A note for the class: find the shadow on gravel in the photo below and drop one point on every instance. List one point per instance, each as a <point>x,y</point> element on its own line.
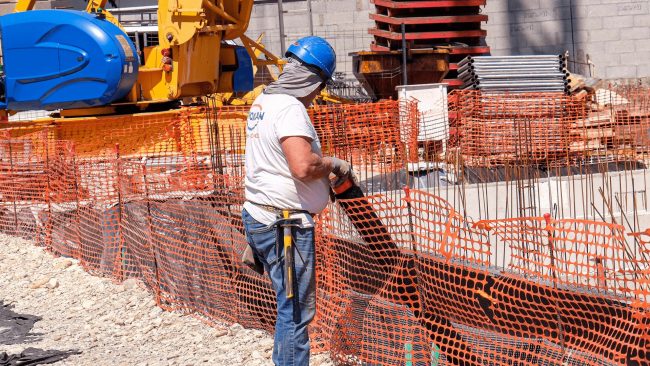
<point>34,356</point>
<point>17,329</point>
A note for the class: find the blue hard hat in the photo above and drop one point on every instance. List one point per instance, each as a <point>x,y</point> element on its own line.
<point>314,51</point>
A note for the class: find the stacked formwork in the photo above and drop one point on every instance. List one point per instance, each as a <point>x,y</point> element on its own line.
<point>452,24</point>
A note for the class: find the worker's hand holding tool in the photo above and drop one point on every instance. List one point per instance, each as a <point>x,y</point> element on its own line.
<point>342,172</point>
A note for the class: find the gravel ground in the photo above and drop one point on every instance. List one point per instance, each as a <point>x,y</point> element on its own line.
<point>114,324</point>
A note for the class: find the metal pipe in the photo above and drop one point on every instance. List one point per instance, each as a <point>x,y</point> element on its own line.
<point>519,86</point>
<point>509,83</point>
<point>311,20</point>
<point>506,63</point>
<point>138,48</point>
<point>524,81</point>
<point>517,72</point>
<point>511,67</point>
<point>283,49</point>
<point>404,76</point>
<point>465,74</point>
<point>516,57</point>
<point>520,76</point>
<point>554,67</point>
<point>523,90</point>
<point>531,88</point>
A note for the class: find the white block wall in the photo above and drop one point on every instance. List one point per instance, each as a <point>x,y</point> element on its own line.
<point>613,34</point>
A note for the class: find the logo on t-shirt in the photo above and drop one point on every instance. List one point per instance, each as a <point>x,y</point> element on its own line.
<point>254,116</point>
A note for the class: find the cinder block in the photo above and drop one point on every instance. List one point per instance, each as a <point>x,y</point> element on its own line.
<point>535,15</point>
<point>552,4</point>
<point>602,60</point>
<point>340,18</point>
<point>635,58</point>
<point>602,35</point>
<point>619,46</point>
<point>497,18</point>
<point>580,36</point>
<point>363,5</point>
<point>642,20</point>
<point>333,6</point>
<point>643,71</point>
<point>522,4</point>
<point>501,30</point>
<point>502,52</point>
<point>498,44</point>
<point>603,10</point>
<point>641,45</point>
<point>592,23</point>
<point>495,7</point>
<point>636,33</point>
<point>361,17</point>
<point>618,22</point>
<point>632,8</point>
<point>620,72</point>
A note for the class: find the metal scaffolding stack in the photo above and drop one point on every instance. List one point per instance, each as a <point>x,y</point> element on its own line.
<point>451,24</point>
<point>517,74</point>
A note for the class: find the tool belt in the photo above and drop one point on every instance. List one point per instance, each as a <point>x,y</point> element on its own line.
<point>284,246</point>
<point>278,211</point>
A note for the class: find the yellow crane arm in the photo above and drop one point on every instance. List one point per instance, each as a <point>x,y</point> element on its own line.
<point>24,5</point>
<point>95,4</point>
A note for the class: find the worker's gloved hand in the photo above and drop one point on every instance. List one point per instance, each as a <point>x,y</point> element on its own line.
<point>341,171</point>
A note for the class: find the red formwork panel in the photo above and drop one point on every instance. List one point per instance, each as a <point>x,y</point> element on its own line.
<point>445,19</point>
<point>426,4</point>
<point>427,35</point>
<point>453,82</point>
<point>452,24</point>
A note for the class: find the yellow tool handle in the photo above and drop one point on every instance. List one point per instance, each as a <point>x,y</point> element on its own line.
<point>288,257</point>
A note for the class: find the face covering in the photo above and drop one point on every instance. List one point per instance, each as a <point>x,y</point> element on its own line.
<point>296,80</point>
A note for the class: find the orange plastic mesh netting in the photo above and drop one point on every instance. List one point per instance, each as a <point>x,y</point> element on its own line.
<point>403,276</point>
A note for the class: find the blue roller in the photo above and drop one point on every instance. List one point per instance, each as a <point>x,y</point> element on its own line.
<point>64,59</point>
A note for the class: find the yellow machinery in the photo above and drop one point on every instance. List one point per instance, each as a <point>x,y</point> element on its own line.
<point>191,59</point>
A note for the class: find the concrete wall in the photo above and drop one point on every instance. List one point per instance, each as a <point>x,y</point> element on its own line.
<point>613,34</point>
<point>344,23</point>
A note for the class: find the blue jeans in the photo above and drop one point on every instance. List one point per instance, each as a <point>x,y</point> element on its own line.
<point>291,346</point>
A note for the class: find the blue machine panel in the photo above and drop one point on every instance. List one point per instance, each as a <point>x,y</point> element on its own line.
<point>64,59</point>
<point>243,77</point>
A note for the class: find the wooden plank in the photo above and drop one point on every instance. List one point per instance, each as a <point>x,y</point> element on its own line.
<point>597,120</point>
<point>577,146</point>
<point>593,133</point>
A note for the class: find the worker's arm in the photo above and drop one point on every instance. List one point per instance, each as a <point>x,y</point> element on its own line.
<point>304,164</point>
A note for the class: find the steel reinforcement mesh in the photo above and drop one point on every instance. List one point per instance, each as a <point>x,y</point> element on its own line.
<point>403,276</point>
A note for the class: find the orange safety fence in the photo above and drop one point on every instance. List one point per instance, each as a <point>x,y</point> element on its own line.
<point>550,129</point>
<point>403,275</point>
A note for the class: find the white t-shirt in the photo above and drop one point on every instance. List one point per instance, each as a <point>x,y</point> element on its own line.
<point>268,178</point>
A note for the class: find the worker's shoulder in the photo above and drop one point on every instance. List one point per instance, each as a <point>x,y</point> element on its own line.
<point>278,100</point>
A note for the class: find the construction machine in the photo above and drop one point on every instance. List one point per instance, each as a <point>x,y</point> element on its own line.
<point>84,62</point>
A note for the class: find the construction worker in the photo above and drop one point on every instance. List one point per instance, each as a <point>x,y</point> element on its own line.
<point>285,171</point>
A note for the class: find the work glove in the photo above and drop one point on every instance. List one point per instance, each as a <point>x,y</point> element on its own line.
<point>341,171</point>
